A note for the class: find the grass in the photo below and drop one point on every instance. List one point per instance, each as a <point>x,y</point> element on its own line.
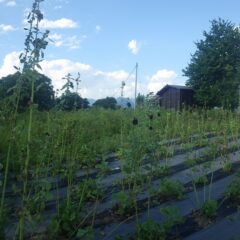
<point>63,142</point>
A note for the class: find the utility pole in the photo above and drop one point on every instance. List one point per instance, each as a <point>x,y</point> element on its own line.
<point>136,78</point>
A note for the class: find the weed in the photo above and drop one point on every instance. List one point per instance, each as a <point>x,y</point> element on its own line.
<point>124,203</point>
<point>200,180</point>
<point>171,189</point>
<point>151,230</point>
<point>209,209</point>
<point>233,191</point>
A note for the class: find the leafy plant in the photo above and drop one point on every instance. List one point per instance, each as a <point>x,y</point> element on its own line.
<point>66,221</point>
<point>124,203</point>
<point>171,189</point>
<point>233,190</point>
<point>209,209</point>
<point>172,217</point>
<point>150,230</point>
<point>91,189</point>
<point>200,180</point>
<point>227,166</point>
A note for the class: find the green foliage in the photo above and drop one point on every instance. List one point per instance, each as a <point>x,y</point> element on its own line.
<point>66,222</point>
<point>108,102</point>
<point>71,101</point>
<point>227,166</point>
<point>69,83</point>
<point>233,190</point>
<point>44,94</point>
<point>209,209</point>
<point>64,142</point>
<point>124,203</point>
<point>89,189</point>
<point>171,189</point>
<point>172,217</point>
<point>151,230</point>
<point>200,180</point>
<point>85,234</point>
<point>214,68</point>
<point>140,99</point>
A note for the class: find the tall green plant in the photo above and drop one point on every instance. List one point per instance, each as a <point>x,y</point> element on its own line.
<point>35,43</point>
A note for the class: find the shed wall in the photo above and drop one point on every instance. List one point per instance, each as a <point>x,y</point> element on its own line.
<point>186,97</point>
<point>170,98</point>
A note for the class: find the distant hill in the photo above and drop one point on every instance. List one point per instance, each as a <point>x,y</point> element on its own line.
<point>123,102</point>
<point>91,101</point>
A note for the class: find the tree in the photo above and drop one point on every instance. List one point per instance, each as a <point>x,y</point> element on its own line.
<point>71,101</point>
<point>213,72</point>
<point>140,100</point>
<point>44,94</point>
<point>108,102</point>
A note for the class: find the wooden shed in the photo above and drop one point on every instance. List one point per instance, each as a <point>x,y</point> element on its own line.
<point>176,97</point>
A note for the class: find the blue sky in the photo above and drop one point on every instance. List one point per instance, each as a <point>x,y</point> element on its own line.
<point>103,39</point>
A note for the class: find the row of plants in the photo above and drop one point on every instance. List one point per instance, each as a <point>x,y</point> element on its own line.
<point>127,199</point>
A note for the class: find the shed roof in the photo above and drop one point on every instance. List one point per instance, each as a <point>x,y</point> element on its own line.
<point>173,86</point>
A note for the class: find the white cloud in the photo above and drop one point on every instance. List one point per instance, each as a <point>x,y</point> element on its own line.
<point>98,28</point>
<point>58,7</point>
<point>55,37</point>
<point>60,23</point>
<point>9,3</point>
<point>95,83</point>
<point>117,75</point>
<point>6,28</point>
<point>72,42</point>
<point>109,83</point>
<point>57,69</point>
<point>10,60</point>
<point>134,47</point>
<point>160,79</point>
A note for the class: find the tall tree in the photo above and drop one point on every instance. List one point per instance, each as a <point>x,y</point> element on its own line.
<point>214,68</point>
<point>108,102</point>
<point>43,90</point>
<point>71,100</point>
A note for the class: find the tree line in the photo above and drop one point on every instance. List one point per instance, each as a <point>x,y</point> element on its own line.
<point>45,97</point>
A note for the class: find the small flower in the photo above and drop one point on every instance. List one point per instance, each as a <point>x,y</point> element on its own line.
<point>135,121</point>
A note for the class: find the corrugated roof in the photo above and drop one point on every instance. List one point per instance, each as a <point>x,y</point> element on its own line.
<point>173,86</point>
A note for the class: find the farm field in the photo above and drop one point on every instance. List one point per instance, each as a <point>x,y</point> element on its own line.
<point>92,151</point>
<point>121,174</point>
